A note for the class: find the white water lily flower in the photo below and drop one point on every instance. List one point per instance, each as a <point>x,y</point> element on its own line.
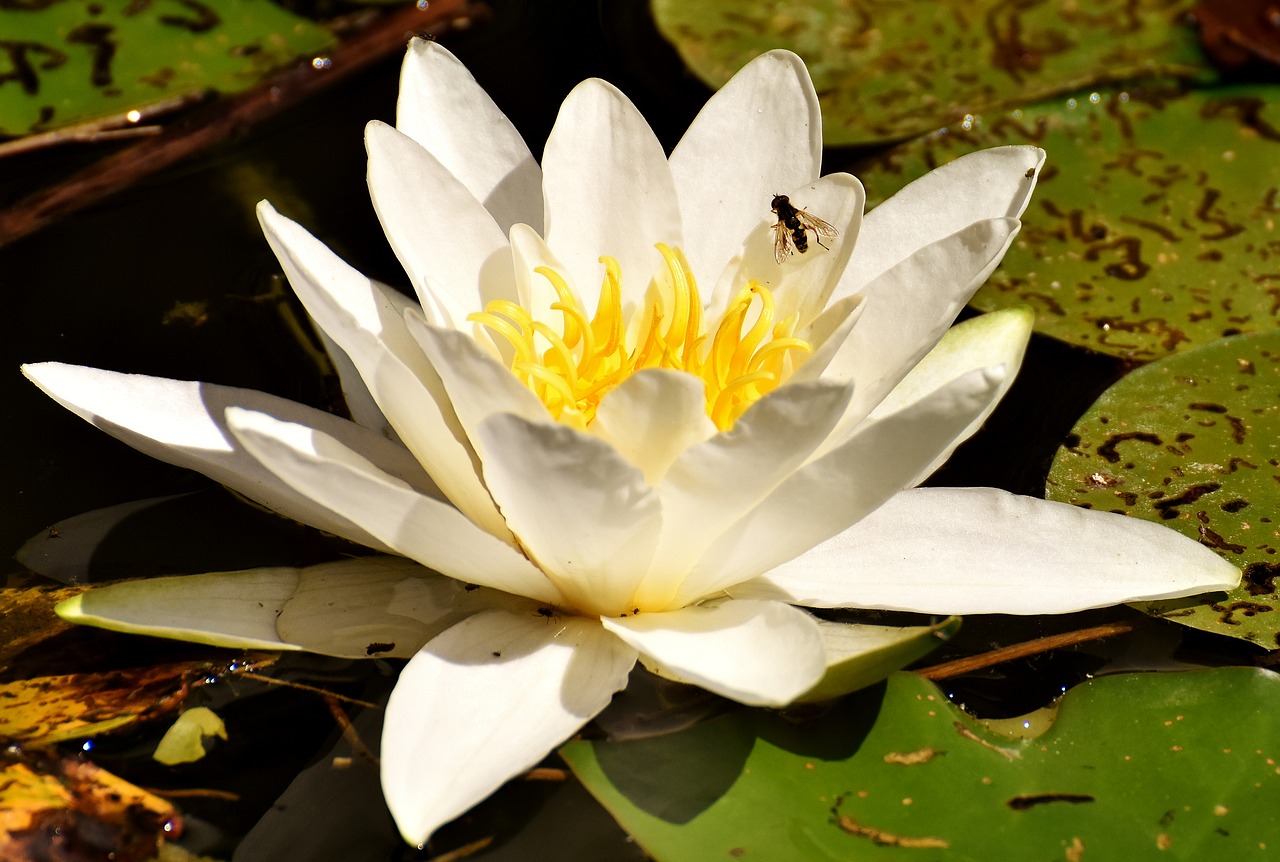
<point>614,406</point>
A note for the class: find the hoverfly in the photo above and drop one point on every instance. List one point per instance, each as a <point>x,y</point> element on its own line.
<point>791,230</point>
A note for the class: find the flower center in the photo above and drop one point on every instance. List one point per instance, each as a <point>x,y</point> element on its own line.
<point>588,357</point>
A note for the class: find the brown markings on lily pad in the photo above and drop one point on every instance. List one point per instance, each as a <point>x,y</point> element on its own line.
<point>1260,578</point>
<point>1214,540</point>
<point>1108,450</point>
<point>1030,800</point>
<point>1228,611</point>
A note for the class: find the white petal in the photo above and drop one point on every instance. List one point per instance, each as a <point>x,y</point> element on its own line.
<point>230,609</point>
<point>580,510</point>
<point>652,417</point>
<point>476,384</point>
<point>456,255</point>
<point>529,252</point>
<point>984,185</point>
<point>370,606</point>
<point>758,135</point>
<point>802,283</point>
<point>485,701</point>
<point>837,489</point>
<point>608,191</point>
<point>860,655</point>
<point>758,653</point>
<point>443,108</point>
<point>715,483</point>
<point>908,309</point>
<point>998,338</point>
<point>368,324</point>
<point>182,422</point>
<point>986,551</point>
<point>433,533</point>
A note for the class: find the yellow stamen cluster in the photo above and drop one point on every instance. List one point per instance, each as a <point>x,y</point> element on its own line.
<point>589,357</point>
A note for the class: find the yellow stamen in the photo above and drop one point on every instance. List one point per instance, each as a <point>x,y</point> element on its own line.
<point>590,356</point>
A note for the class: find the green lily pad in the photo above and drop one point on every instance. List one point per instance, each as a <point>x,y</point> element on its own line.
<point>1183,763</point>
<point>1153,227</point>
<point>69,62</point>
<point>1192,441</point>
<point>886,71</point>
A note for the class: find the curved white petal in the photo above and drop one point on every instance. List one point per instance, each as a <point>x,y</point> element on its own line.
<point>366,607</point>
<point>228,609</point>
<point>580,510</point>
<point>433,533</point>
<point>909,307</point>
<point>716,482</point>
<point>998,338</point>
<point>758,653</point>
<point>802,283</point>
<point>485,701</point>
<point>529,252</point>
<point>652,417</point>
<point>182,422</point>
<point>986,551</point>
<point>608,191</point>
<point>987,184</point>
<point>477,385</point>
<point>443,108</point>
<point>368,324</point>
<point>456,255</point>
<point>757,136</point>
<point>838,489</point>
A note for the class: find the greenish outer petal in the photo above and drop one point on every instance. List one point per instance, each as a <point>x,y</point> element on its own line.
<point>1191,441</point>
<point>1153,228</point>
<point>229,609</point>
<point>861,655</point>
<point>888,70</point>
<point>1132,764</point>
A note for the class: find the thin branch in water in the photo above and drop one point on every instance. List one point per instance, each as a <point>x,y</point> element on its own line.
<point>961,666</point>
<point>384,38</point>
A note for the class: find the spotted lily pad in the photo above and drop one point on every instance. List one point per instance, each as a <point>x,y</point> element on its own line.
<point>888,70</point>
<point>71,61</point>
<point>1139,766</point>
<point>1193,441</point>
<point>1154,224</point>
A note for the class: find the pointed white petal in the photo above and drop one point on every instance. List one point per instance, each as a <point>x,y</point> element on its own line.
<point>758,653</point>
<point>998,338</point>
<point>485,701</point>
<point>986,551</point>
<point>833,491</point>
<point>715,483</point>
<point>367,322</point>
<point>652,417</point>
<point>230,609</point>
<point>759,135</point>
<point>529,252</point>
<point>454,252</point>
<point>580,510</point>
<point>861,655</point>
<point>366,607</point>
<point>908,309</point>
<point>477,385</point>
<point>802,283</point>
<point>433,533</point>
<point>182,422</point>
<point>608,191</point>
<point>984,185</point>
<point>443,108</point>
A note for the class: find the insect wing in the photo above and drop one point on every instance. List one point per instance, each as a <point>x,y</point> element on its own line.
<point>782,242</point>
<point>815,224</point>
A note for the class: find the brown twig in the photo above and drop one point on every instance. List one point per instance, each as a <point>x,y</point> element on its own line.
<point>949,669</point>
<point>349,732</point>
<point>384,38</point>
